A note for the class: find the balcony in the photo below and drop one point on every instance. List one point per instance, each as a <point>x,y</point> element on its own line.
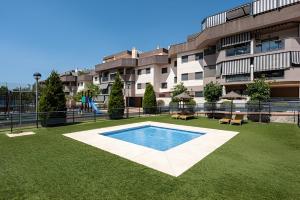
<point>85,78</point>
<point>68,78</point>
<point>123,62</point>
<point>156,59</point>
<point>244,24</point>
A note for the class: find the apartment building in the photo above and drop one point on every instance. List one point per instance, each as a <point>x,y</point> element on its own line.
<point>69,81</point>
<point>124,63</point>
<point>234,47</point>
<point>258,39</point>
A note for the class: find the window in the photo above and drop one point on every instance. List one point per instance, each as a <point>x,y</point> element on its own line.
<point>96,78</point>
<point>81,83</point>
<point>139,86</point>
<point>239,49</point>
<point>147,84</point>
<point>199,94</point>
<point>184,59</point>
<point>129,71</point>
<point>112,76</point>
<point>210,51</point>
<point>269,75</point>
<point>139,71</point>
<point>269,45</point>
<point>164,85</point>
<point>184,77</point>
<point>169,60</point>
<point>175,63</point>
<point>147,70</point>
<point>199,75</point>
<point>199,56</point>
<point>175,79</point>
<point>164,70</point>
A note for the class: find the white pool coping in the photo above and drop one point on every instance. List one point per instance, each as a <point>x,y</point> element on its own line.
<point>174,161</point>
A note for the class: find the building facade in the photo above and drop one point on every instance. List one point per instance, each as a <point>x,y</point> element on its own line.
<point>258,39</point>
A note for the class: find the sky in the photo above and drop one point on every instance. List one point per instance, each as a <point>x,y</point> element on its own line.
<point>41,36</point>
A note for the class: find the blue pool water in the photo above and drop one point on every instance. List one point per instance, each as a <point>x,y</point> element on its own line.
<point>154,137</point>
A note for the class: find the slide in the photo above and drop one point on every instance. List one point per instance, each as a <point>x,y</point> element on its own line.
<point>94,107</point>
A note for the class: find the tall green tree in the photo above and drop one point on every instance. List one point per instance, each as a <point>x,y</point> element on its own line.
<point>116,102</point>
<point>212,92</point>
<point>149,100</point>
<point>53,100</point>
<point>259,90</point>
<point>178,89</point>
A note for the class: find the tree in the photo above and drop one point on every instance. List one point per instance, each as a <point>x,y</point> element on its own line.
<point>178,89</point>
<point>212,92</point>
<point>53,101</point>
<point>116,103</point>
<point>149,100</point>
<point>3,90</point>
<point>94,89</point>
<point>259,90</point>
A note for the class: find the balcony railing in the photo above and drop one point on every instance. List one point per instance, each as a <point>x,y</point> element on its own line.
<point>255,8</point>
<point>237,78</point>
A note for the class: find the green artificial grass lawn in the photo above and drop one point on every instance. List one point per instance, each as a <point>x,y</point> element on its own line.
<point>262,162</point>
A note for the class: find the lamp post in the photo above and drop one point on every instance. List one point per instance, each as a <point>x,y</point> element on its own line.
<point>36,76</point>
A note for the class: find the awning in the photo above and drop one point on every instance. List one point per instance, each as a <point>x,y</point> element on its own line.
<point>241,66</point>
<point>235,39</point>
<point>272,62</point>
<point>104,86</point>
<point>296,57</point>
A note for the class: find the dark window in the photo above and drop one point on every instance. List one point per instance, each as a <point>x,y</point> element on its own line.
<point>184,77</point>
<point>169,60</point>
<point>164,70</point>
<point>175,63</point>
<point>129,71</point>
<point>269,75</point>
<point>269,45</point>
<point>164,85</point>
<point>96,78</point>
<point>199,75</point>
<point>139,71</point>
<point>175,79</point>
<point>112,77</point>
<point>147,70</point>
<point>199,94</point>
<point>139,86</point>
<point>199,56</point>
<point>239,49</point>
<point>184,59</point>
<point>210,51</point>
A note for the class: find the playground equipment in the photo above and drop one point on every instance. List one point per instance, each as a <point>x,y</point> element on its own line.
<point>87,103</point>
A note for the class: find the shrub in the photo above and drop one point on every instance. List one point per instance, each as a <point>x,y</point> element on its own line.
<point>149,100</point>
<point>53,101</point>
<point>160,103</point>
<point>116,103</point>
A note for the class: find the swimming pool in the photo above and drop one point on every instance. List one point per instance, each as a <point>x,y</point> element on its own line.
<point>158,138</point>
<point>168,148</point>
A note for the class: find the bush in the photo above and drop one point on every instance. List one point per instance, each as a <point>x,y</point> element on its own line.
<point>116,104</point>
<point>149,100</point>
<point>53,102</point>
<point>160,103</point>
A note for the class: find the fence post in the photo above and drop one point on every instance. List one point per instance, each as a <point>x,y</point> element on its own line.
<point>259,108</point>
<point>37,120</point>
<point>73,116</point>
<point>231,109</point>
<point>11,123</point>
<point>127,112</point>
<point>94,116</point>
<point>139,111</point>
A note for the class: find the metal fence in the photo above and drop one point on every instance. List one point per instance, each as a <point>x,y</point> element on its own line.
<point>258,112</point>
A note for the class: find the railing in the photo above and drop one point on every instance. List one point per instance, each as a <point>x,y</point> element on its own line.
<point>255,8</point>
<point>263,112</point>
<point>237,78</point>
